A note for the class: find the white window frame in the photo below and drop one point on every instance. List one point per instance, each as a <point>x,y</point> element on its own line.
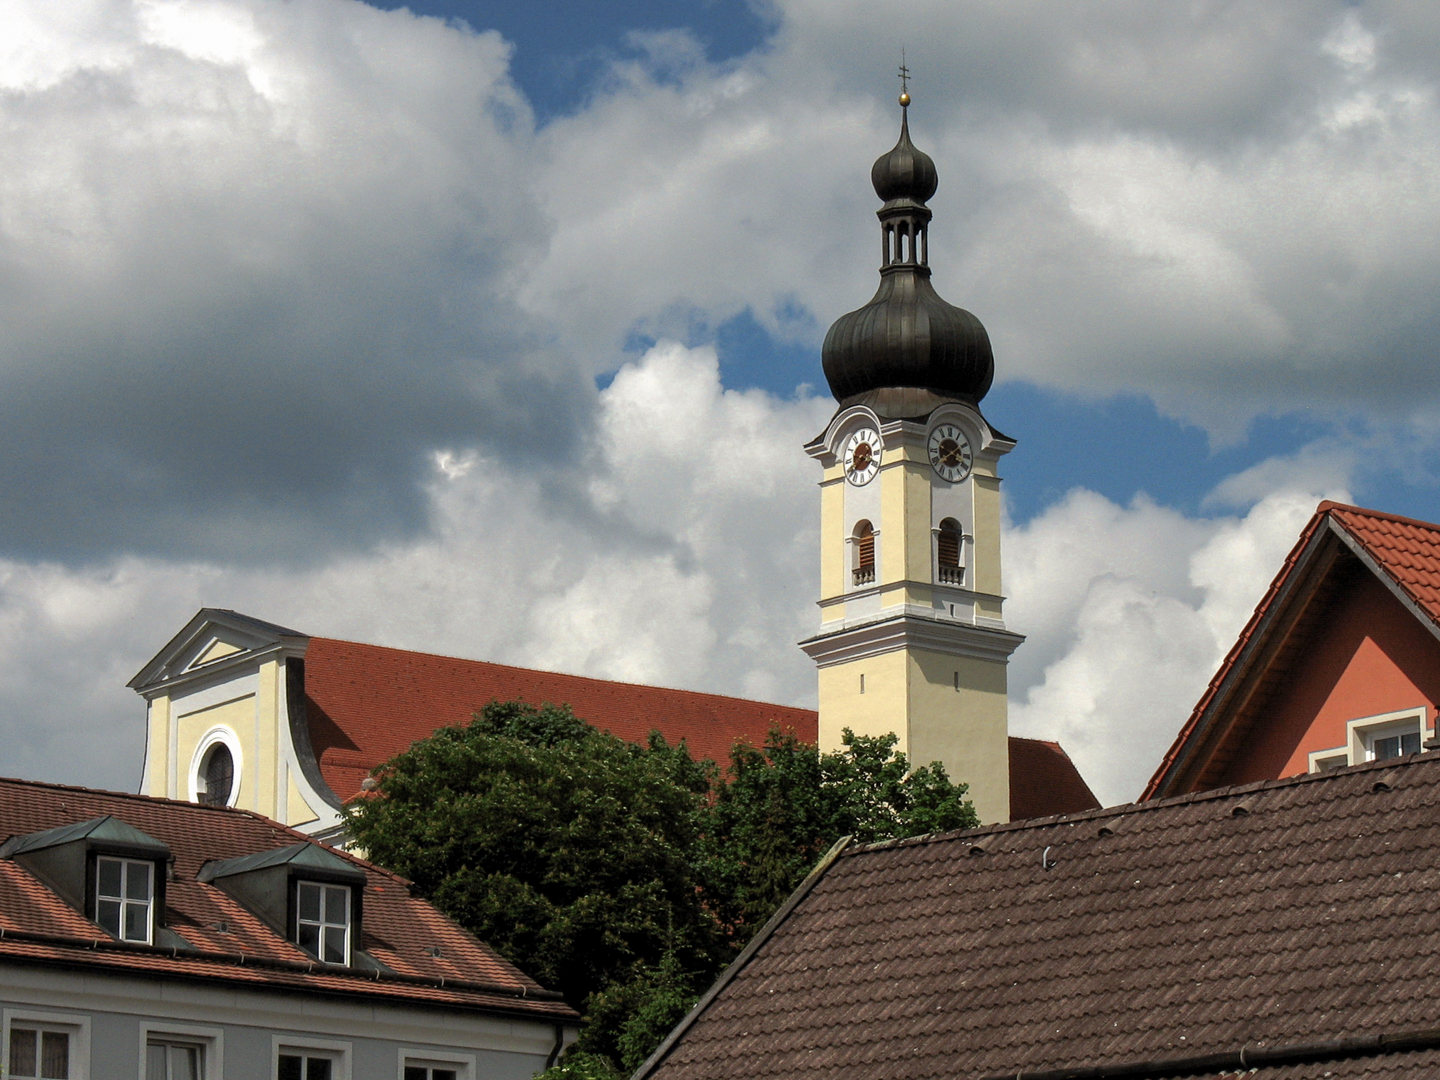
<point>1360,733</point>
<point>211,1040</point>
<point>301,883</point>
<point>338,1052</point>
<point>223,735</point>
<point>150,904</point>
<point>463,1064</point>
<point>77,1025</point>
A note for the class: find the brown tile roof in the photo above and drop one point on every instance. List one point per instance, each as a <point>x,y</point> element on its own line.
<point>1044,781</point>
<point>368,703</point>
<point>1405,551</point>
<point>399,930</point>
<point>1285,912</point>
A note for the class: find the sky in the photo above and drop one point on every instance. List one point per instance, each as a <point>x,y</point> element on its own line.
<point>494,330</point>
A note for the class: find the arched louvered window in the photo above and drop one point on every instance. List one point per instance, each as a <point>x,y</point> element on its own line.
<point>219,775</point>
<point>864,553</point>
<point>948,542</point>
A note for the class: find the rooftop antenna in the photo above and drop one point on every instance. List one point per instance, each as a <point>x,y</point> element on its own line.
<point>904,81</point>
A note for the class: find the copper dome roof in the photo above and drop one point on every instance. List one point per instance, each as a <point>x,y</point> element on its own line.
<point>907,350</point>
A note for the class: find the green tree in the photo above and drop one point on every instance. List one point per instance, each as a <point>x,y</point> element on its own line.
<point>626,876</point>
<point>785,804</point>
<point>566,849</point>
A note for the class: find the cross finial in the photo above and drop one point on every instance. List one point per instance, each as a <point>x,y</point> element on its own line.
<point>904,82</point>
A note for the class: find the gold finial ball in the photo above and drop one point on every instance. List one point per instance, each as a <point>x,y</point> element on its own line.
<point>904,100</point>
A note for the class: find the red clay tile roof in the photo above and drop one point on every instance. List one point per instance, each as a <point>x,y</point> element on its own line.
<point>399,930</point>
<point>1405,550</point>
<point>368,703</point>
<point>1279,913</point>
<point>1044,781</point>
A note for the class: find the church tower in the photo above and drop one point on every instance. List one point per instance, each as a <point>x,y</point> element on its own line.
<point>912,638</point>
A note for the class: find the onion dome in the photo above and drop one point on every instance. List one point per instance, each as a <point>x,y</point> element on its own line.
<point>907,350</point>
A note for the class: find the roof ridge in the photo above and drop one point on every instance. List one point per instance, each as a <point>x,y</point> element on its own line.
<point>1124,809</point>
<point>561,674</point>
<point>1328,505</point>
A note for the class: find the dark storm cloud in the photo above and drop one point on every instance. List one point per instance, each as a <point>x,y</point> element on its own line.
<point>252,275</point>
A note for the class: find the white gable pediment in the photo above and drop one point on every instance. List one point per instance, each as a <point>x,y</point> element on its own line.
<point>215,638</point>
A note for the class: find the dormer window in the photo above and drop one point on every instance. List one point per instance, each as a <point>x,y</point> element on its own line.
<point>322,921</point>
<point>124,891</point>
<point>305,892</point>
<point>110,871</point>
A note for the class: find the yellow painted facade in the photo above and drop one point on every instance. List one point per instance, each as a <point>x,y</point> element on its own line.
<point>932,653</point>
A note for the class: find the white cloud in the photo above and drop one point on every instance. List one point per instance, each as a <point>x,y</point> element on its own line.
<point>1131,611</point>
<point>685,556</point>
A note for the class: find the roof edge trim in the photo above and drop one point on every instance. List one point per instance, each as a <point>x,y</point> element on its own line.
<point>1246,1057</point>
<point>727,976</point>
<point>1236,663</point>
<point>1361,552</point>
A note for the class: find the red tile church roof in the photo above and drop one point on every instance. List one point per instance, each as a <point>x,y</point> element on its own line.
<point>368,703</point>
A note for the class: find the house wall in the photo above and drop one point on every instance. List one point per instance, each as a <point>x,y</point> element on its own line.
<point>247,1028</point>
<point>1372,657</point>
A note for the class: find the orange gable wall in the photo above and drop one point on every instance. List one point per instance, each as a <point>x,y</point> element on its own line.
<point>1373,657</point>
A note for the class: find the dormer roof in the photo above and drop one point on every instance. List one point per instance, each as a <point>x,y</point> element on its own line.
<point>420,957</point>
<point>1401,554</point>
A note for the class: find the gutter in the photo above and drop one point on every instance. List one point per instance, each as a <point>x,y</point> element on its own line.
<point>1241,1060</point>
<point>299,967</point>
<point>728,975</point>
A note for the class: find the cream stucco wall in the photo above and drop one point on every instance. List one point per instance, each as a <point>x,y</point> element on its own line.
<point>157,748</point>
<point>237,714</point>
<point>966,730</point>
<point>879,709</point>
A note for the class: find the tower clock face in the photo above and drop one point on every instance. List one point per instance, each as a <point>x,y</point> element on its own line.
<point>950,455</point>
<point>862,456</point>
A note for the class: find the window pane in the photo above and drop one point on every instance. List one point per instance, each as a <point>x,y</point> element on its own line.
<point>334,945</point>
<point>309,939</point>
<point>1410,744</point>
<point>184,1063</point>
<point>137,922</point>
<point>109,875</point>
<point>337,905</point>
<point>291,1067</point>
<point>137,881</point>
<point>1387,748</point>
<point>22,1052</point>
<point>415,1072</point>
<point>442,1074</point>
<point>309,901</point>
<point>155,1062</point>
<point>107,914</point>
<point>54,1055</point>
<point>318,1069</point>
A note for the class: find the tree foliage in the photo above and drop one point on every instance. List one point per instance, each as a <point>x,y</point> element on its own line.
<point>627,876</point>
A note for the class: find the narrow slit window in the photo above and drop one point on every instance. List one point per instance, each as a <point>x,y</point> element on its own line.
<point>124,889</point>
